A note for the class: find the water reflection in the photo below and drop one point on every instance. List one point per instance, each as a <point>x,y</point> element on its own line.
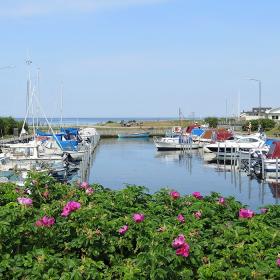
<point>275,189</point>
<point>136,161</point>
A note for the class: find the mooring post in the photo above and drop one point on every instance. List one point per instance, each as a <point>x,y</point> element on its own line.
<point>263,169</point>
<point>249,162</point>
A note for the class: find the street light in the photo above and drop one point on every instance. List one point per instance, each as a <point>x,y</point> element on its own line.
<point>260,93</point>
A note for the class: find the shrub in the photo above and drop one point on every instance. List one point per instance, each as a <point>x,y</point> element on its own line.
<point>212,121</point>
<point>266,124</point>
<point>175,237</point>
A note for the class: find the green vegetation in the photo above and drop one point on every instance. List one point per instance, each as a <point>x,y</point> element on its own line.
<point>266,124</point>
<point>90,232</point>
<point>212,121</point>
<point>7,125</point>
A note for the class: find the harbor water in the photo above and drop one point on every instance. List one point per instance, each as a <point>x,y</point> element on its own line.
<point>118,162</point>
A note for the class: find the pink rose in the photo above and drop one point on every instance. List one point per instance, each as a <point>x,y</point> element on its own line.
<point>123,230</point>
<point>138,218</point>
<point>246,213</point>
<point>221,201</point>
<point>45,222</point>
<point>24,201</point>
<point>179,241</point>
<point>197,195</point>
<point>181,218</point>
<point>70,207</point>
<point>197,215</point>
<point>184,250</point>
<point>84,185</point>
<point>278,262</point>
<point>175,195</point>
<point>39,223</point>
<point>89,191</point>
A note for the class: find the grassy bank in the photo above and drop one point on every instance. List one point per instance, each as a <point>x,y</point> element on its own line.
<point>148,124</point>
<point>90,232</point>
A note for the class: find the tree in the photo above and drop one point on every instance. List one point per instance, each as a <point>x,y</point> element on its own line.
<point>266,124</point>
<point>212,121</point>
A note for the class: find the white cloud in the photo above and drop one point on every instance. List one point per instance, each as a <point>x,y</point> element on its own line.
<point>30,8</point>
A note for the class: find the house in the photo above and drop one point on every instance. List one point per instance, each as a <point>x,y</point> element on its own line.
<point>273,114</point>
<point>254,114</point>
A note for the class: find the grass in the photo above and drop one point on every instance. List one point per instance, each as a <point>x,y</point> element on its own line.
<point>148,124</point>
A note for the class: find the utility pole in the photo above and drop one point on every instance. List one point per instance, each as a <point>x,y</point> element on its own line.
<point>260,94</point>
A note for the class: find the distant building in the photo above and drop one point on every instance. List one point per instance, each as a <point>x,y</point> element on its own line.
<point>266,113</point>
<point>254,114</point>
<point>273,114</point>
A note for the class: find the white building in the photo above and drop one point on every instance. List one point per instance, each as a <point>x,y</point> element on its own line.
<point>255,113</point>
<point>265,113</point>
<point>273,114</point>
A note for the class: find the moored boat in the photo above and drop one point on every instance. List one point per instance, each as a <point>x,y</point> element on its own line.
<point>230,148</point>
<point>175,143</point>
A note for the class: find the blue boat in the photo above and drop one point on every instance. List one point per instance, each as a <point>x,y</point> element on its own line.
<point>134,135</point>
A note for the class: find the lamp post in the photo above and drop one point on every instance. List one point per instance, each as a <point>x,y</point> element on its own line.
<point>260,93</point>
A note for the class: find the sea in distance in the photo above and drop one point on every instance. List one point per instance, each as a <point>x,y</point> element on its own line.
<point>91,121</point>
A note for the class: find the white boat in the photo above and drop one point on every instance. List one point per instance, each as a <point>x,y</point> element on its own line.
<point>26,156</point>
<point>50,147</point>
<point>175,143</point>
<point>230,148</point>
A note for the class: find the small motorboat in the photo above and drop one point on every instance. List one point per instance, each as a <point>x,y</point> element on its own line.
<point>134,135</point>
<point>175,143</point>
<point>230,148</point>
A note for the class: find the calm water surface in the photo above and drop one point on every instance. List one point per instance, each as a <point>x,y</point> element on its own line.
<point>118,162</point>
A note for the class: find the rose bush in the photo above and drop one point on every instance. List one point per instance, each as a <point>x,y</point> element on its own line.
<point>99,237</point>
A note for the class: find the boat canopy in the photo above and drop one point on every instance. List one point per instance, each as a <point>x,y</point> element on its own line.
<point>269,142</point>
<point>274,151</point>
<point>190,128</point>
<point>197,131</point>
<point>42,133</point>
<point>70,130</point>
<point>223,135</point>
<point>207,134</point>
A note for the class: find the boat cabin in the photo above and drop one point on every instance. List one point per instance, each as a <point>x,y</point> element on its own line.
<point>28,150</point>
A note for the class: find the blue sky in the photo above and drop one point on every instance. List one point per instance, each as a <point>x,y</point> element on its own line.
<point>120,58</point>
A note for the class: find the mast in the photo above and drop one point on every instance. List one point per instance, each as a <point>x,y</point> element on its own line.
<point>180,116</point>
<point>238,105</point>
<point>61,104</point>
<point>38,94</point>
<point>28,92</point>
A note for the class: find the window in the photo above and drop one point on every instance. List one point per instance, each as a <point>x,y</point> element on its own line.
<point>275,117</point>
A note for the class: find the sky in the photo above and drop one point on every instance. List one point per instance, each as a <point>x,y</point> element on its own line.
<point>140,58</point>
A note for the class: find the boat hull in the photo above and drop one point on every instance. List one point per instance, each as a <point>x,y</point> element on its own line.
<point>163,146</point>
